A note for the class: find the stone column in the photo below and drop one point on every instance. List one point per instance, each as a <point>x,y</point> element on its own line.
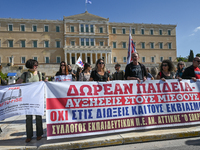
<point>75,57</point>
<point>110,58</point>
<point>70,58</point>
<point>96,57</point>
<point>65,57</point>
<point>101,55</point>
<point>91,60</point>
<point>106,57</point>
<point>85,57</point>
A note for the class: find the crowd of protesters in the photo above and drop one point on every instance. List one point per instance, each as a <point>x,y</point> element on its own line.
<point>133,71</point>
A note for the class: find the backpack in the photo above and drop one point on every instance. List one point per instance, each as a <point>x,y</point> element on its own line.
<point>26,74</point>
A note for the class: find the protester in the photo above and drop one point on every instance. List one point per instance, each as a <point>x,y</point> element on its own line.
<point>110,77</point>
<point>192,72</point>
<point>78,72</point>
<point>135,70</point>
<point>32,76</point>
<point>63,69</point>
<point>85,75</point>
<point>180,69</point>
<point>154,72</point>
<point>166,70</point>
<point>99,73</point>
<point>149,76</point>
<point>72,72</point>
<point>119,74</point>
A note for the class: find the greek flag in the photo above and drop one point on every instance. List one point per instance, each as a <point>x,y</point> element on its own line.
<point>79,62</point>
<point>88,2</point>
<point>131,48</point>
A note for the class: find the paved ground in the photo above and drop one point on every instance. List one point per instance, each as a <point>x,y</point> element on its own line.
<point>14,135</point>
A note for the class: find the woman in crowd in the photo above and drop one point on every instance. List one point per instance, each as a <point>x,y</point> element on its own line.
<point>180,69</point>
<point>85,75</point>
<point>99,73</point>
<point>78,72</point>
<point>166,70</point>
<point>149,76</point>
<point>32,76</point>
<point>63,69</point>
<point>154,72</point>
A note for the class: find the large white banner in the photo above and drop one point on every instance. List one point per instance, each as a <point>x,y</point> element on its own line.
<point>62,78</point>
<point>77,109</point>
<point>22,99</point>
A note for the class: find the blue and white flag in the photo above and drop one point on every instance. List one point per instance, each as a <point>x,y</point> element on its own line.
<point>131,48</point>
<point>88,2</point>
<point>79,62</point>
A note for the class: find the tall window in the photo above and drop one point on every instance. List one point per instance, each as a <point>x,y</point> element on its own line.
<point>34,43</point>
<point>123,31</point>
<point>46,59</point>
<point>22,27</point>
<point>10,43</point>
<point>86,28</point>
<point>115,59</point>
<point>101,43</point>
<point>58,59</point>
<point>170,58</point>
<point>123,44</point>
<point>169,45</point>
<point>114,30</point>
<point>101,30</point>
<point>143,59</point>
<point>152,59</point>
<point>143,45</point>
<point>151,31</point>
<point>161,45</point>
<point>169,32</point>
<point>46,43</point>
<point>114,45</point>
<point>161,59</point>
<point>92,42</point>
<point>142,31</point>
<point>10,59</point>
<point>23,43</point>
<point>82,41</point>
<point>72,43</point>
<point>133,31</point>
<point>82,28</point>
<point>10,27</point>
<point>35,58</point>
<point>160,32</point>
<point>72,28</point>
<point>124,59</point>
<point>91,28</point>
<point>58,44</point>
<point>87,41</point>
<point>57,28</point>
<point>34,28</point>
<point>46,28</point>
<point>151,45</point>
<point>23,60</point>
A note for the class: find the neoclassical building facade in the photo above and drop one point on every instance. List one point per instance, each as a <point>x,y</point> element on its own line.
<point>84,35</point>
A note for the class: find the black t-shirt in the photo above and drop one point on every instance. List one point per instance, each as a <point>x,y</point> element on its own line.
<point>98,77</point>
<point>161,74</point>
<point>136,71</point>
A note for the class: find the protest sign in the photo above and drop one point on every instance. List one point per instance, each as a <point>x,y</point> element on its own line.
<point>63,78</point>
<point>88,108</point>
<point>22,99</point>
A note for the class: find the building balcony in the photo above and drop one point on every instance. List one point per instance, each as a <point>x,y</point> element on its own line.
<point>88,47</point>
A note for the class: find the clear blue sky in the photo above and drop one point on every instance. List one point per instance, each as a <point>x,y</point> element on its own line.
<point>183,13</point>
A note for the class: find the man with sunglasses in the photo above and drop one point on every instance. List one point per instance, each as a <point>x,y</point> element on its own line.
<point>135,70</point>
<point>193,71</point>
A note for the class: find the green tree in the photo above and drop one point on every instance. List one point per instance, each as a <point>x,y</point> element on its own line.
<point>191,56</point>
<point>198,55</point>
<point>184,59</point>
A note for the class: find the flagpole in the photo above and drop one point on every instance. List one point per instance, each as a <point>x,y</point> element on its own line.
<point>85,6</point>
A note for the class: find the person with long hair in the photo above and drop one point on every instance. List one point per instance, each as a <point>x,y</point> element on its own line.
<point>99,73</point>
<point>85,75</point>
<point>63,70</point>
<point>166,70</point>
<point>180,69</point>
<point>78,72</point>
<point>32,76</point>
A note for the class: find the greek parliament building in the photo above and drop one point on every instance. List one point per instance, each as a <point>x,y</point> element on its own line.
<point>85,35</point>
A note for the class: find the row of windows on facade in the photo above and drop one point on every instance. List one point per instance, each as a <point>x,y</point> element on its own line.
<point>87,28</point>
<point>34,28</point>
<point>34,43</point>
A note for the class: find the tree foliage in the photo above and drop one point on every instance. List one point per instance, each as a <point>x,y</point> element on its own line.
<point>191,56</point>
<point>198,55</point>
<point>184,59</point>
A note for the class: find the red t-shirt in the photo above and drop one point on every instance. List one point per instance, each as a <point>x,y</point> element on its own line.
<point>197,72</point>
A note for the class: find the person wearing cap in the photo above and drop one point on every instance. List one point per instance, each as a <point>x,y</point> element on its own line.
<point>119,74</point>
<point>192,72</point>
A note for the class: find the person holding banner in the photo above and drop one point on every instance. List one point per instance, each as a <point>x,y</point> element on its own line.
<point>166,70</point>
<point>99,73</point>
<point>135,70</point>
<point>63,69</point>
<point>85,75</point>
<point>32,76</point>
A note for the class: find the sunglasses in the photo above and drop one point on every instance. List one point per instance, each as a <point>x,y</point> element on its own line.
<point>62,65</point>
<point>181,64</point>
<point>165,65</point>
<point>101,63</point>
<point>198,61</point>
<point>35,65</point>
